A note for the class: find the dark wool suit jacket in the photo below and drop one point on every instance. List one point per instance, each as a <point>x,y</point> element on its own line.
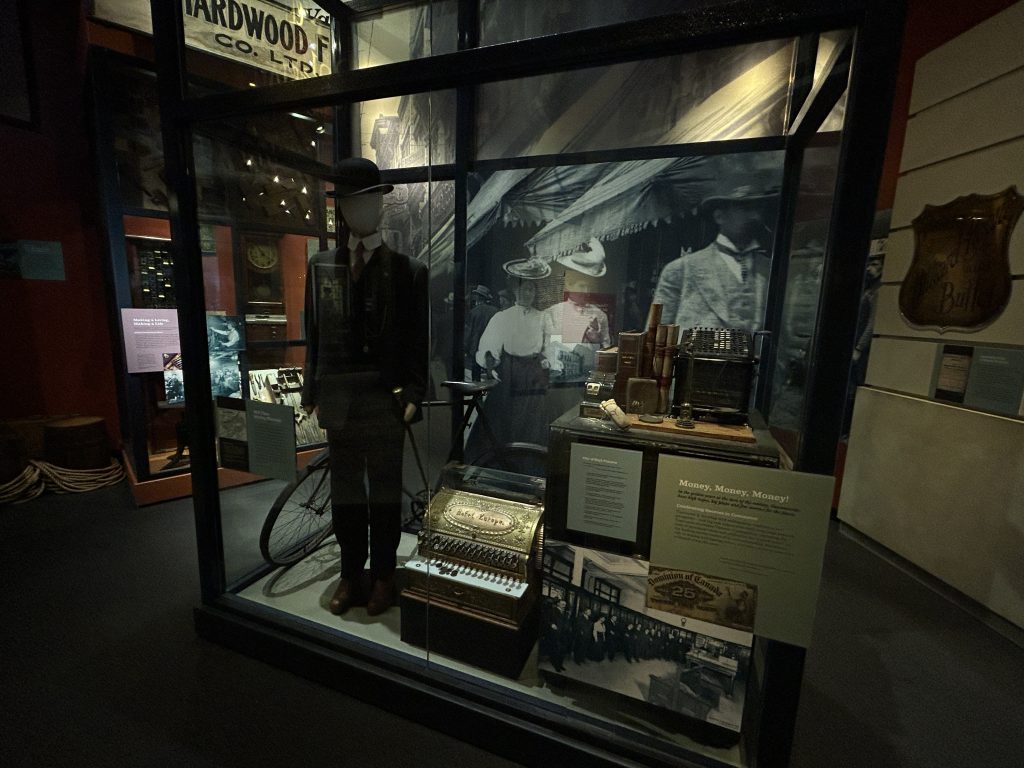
<point>383,330</point>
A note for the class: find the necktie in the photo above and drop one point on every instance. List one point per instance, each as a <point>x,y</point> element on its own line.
<point>357,262</point>
<point>743,258</point>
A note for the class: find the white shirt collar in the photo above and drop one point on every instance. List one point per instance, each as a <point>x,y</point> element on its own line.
<point>729,260</point>
<point>371,243</point>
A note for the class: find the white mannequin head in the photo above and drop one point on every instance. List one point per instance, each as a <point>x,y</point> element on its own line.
<point>362,212</point>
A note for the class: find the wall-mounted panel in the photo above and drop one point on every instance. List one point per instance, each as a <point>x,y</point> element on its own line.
<point>988,50</point>
<point>952,127</point>
<point>945,490</point>
<point>901,364</point>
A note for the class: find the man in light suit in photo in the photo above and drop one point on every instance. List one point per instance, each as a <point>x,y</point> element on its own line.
<point>724,284</point>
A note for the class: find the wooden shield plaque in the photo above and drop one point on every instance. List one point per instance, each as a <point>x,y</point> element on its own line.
<point>960,275</point>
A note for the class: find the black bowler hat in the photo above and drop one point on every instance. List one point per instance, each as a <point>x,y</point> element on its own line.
<point>357,176</point>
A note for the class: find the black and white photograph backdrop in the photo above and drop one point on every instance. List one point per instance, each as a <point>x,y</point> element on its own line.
<point>597,628</point>
<point>174,386</point>
<point>582,252</point>
<point>225,380</point>
<point>225,334</point>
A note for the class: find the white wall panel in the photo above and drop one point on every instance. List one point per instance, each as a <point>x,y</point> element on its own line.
<point>986,51</point>
<point>901,364</point>
<point>944,488</point>
<point>985,172</point>
<point>953,127</point>
<point>1007,329</point>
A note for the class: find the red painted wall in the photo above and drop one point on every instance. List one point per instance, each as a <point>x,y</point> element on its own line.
<point>55,338</point>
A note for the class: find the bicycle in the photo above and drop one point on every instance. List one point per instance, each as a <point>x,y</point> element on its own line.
<point>299,520</point>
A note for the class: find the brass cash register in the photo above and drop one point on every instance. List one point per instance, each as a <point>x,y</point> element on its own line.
<point>479,553</point>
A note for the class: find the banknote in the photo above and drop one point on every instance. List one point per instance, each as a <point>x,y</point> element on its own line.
<point>701,596</point>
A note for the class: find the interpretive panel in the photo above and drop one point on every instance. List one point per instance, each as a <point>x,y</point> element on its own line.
<point>604,491</point>
<point>149,334</point>
<point>256,437</point>
<point>764,528</point>
<point>271,429</point>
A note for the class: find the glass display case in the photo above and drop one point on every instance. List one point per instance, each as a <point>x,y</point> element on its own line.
<point>545,211</point>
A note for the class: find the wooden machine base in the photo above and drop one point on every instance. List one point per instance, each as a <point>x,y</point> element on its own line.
<point>498,646</point>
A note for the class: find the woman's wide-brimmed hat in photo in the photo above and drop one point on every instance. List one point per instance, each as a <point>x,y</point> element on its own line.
<point>588,258</point>
<point>357,176</point>
<point>527,269</point>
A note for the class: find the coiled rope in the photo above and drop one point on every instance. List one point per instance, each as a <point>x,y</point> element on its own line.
<point>40,476</point>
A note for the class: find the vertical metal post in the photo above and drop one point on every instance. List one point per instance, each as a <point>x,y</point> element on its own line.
<point>465,132</point>
<point>130,396</point>
<point>872,83</point>
<point>188,276</point>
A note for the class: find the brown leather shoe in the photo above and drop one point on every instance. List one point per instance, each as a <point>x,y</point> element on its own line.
<point>382,597</point>
<point>346,595</point>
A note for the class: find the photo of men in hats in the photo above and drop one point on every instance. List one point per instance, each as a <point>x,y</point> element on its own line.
<point>366,376</point>
<point>724,284</point>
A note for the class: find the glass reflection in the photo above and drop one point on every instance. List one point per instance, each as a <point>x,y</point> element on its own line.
<point>502,21</point>
<point>733,93</point>
<point>405,34</point>
<point>408,131</point>
<point>803,290</point>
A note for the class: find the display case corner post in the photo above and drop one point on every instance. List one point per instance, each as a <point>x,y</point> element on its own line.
<point>862,151</point>
<point>183,206</point>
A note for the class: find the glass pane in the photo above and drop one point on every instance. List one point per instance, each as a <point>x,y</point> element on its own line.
<point>407,131</point>
<point>802,292</point>
<point>829,46</point>
<point>265,170</point>
<point>131,97</point>
<point>405,34</point>
<point>503,21</point>
<point>732,93</point>
<point>579,253</point>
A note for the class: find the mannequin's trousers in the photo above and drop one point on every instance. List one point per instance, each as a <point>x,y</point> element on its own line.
<point>366,483</point>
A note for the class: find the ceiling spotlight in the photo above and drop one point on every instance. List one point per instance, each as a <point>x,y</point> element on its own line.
<point>277,179</point>
<point>249,162</point>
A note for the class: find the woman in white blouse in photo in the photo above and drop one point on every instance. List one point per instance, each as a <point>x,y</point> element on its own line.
<point>511,349</point>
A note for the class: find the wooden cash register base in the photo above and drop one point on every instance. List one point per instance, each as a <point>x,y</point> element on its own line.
<point>741,433</point>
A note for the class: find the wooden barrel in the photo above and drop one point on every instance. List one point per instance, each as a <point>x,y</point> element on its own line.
<point>77,443</point>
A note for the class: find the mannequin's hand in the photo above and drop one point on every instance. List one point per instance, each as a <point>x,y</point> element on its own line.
<point>490,361</point>
<point>410,412</point>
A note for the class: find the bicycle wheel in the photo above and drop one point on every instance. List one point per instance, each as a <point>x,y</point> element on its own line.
<point>300,518</point>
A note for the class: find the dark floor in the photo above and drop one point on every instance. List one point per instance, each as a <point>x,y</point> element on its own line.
<point>99,664</point>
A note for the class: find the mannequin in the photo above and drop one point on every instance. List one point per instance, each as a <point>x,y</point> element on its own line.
<point>366,376</point>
